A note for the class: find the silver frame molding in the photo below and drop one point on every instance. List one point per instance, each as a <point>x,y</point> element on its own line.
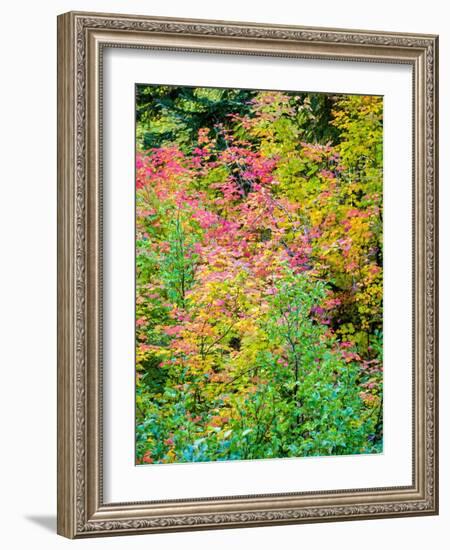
<point>81,39</point>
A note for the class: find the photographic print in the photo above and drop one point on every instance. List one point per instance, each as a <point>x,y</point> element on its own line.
<point>259,274</point>
<point>247,274</point>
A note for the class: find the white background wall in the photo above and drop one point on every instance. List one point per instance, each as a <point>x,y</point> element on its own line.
<point>28,272</point>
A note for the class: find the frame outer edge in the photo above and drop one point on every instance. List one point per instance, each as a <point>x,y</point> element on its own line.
<point>66,524</point>
<point>435,267</point>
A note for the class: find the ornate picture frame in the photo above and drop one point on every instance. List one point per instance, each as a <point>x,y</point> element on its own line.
<point>82,39</point>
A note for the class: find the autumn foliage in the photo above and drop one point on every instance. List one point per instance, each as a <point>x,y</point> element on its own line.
<point>258,274</point>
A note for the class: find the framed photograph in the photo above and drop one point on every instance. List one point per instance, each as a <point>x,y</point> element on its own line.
<point>247,276</point>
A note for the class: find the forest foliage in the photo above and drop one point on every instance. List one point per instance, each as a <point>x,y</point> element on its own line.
<point>258,274</point>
